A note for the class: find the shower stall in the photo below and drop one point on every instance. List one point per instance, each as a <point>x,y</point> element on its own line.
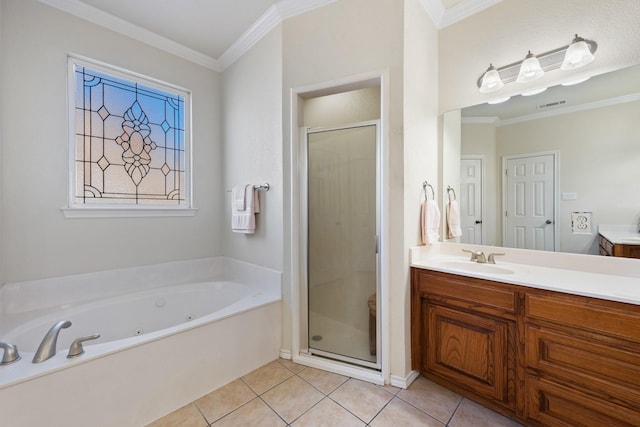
<point>342,242</point>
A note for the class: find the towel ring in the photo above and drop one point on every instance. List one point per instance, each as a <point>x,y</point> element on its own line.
<point>449,191</point>
<point>424,188</point>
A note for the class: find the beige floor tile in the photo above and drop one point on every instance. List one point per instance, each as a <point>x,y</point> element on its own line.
<point>431,398</point>
<point>293,367</point>
<point>391,389</point>
<point>254,414</point>
<point>187,416</point>
<point>292,398</point>
<point>328,413</point>
<point>324,381</point>
<point>471,413</point>
<point>363,399</point>
<point>267,377</point>
<point>224,400</point>
<point>400,413</point>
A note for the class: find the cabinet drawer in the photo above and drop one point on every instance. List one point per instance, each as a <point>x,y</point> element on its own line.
<point>605,368</point>
<point>607,317</point>
<point>555,405</point>
<point>478,292</point>
<point>606,245</point>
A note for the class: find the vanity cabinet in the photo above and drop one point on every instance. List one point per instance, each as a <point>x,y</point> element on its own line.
<point>541,357</point>
<point>583,360</point>
<point>607,248</point>
<point>464,335</point>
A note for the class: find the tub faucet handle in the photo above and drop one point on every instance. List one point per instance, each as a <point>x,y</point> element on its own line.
<point>10,353</point>
<point>76,348</point>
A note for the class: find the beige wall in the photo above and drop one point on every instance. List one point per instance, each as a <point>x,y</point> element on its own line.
<point>252,146</point>
<point>599,155</point>
<point>325,45</point>
<point>502,34</point>
<point>391,37</point>
<point>420,162</point>
<point>37,241</point>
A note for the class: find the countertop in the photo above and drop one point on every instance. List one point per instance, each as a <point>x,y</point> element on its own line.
<point>620,234</point>
<point>615,279</point>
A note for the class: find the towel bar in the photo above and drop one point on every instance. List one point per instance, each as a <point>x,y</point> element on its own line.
<point>449,190</point>
<point>424,188</point>
<point>265,187</point>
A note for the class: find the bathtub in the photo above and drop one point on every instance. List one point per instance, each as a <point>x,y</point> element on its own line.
<point>169,334</point>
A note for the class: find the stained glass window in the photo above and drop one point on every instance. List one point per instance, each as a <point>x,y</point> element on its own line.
<point>130,140</point>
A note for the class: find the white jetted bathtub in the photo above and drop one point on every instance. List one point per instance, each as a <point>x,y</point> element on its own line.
<point>169,333</point>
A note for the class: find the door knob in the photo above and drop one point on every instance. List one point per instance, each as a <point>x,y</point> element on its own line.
<point>548,221</point>
<point>478,221</point>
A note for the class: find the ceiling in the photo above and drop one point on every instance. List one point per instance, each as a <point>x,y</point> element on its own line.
<point>214,33</point>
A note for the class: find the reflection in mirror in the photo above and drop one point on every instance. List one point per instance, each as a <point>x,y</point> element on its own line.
<point>584,139</point>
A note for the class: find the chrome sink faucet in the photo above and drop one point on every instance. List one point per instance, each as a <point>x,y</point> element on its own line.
<point>47,348</point>
<point>481,258</point>
<point>477,256</point>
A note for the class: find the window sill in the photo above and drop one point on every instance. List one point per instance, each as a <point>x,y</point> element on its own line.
<point>126,212</point>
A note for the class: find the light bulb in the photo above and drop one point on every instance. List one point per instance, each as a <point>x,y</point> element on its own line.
<point>578,55</point>
<point>530,69</point>
<point>491,81</point>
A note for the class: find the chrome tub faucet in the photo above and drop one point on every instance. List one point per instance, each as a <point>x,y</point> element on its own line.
<point>47,348</point>
<point>10,354</point>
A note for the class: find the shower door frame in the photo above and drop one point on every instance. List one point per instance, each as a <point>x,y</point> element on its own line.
<point>304,175</point>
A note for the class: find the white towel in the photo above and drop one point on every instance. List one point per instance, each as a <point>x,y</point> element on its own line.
<point>429,221</point>
<point>244,221</point>
<point>453,220</point>
<point>238,197</point>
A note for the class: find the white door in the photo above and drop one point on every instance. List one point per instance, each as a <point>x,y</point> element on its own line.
<point>471,200</point>
<point>529,201</point>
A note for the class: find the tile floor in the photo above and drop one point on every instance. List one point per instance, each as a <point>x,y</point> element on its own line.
<point>283,393</point>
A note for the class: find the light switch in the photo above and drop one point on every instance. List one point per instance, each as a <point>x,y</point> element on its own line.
<point>569,196</point>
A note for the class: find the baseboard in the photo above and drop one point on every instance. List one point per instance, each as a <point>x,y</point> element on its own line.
<point>285,354</point>
<point>404,382</point>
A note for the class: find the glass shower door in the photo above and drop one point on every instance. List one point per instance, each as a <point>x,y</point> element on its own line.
<point>342,253</point>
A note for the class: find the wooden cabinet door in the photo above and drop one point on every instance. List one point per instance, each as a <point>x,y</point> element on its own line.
<point>471,350</point>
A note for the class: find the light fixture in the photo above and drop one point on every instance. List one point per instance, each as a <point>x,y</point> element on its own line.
<point>499,100</point>
<point>575,82</point>
<point>491,80</point>
<point>577,54</point>
<point>530,69</point>
<point>533,92</point>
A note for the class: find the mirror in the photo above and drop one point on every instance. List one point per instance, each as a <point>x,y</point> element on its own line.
<point>593,131</point>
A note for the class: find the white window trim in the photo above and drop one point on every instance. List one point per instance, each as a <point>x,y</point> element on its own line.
<point>77,210</point>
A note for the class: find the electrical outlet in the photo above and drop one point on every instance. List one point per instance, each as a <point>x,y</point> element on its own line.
<point>581,223</point>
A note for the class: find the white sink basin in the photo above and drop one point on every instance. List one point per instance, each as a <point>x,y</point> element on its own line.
<point>474,267</point>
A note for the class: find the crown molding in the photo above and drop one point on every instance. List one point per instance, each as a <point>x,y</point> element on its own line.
<point>480,120</point>
<point>623,99</point>
<point>269,20</point>
<point>97,16</point>
<point>632,97</point>
<point>435,10</point>
<point>442,17</point>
